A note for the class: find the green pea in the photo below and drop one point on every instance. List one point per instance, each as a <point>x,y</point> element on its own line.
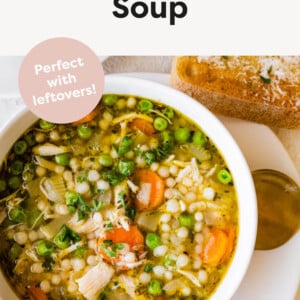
<point>71,198</point>
<point>84,131</point>
<point>145,105</point>
<point>199,138</point>
<point>14,182</point>
<point>17,214</point>
<point>154,287</point>
<point>168,112</point>
<point>44,248</point>
<point>182,134</point>
<point>63,159</point>
<point>224,176</point>
<point>20,147</point>
<point>152,240</point>
<point>109,100</point>
<point>30,139</point>
<point>186,220</point>
<point>105,160</point>
<point>14,252</point>
<point>126,167</point>
<point>45,124</point>
<point>16,167</point>
<point>3,185</point>
<point>160,124</point>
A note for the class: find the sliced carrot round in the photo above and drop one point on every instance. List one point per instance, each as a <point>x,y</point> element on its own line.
<point>215,246</point>
<point>36,293</point>
<point>133,237</point>
<point>89,117</point>
<point>231,234</point>
<point>144,126</point>
<point>152,189</point>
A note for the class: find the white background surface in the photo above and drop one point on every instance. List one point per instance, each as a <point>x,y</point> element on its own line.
<point>211,27</point>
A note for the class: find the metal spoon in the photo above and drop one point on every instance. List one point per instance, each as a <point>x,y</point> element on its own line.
<point>278,200</point>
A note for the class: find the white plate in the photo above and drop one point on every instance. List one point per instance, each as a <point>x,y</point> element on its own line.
<point>273,274</point>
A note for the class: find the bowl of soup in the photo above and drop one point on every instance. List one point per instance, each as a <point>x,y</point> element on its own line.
<point>147,197</point>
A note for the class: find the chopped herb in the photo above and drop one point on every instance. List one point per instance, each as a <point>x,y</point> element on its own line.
<point>103,296</point>
<point>138,152</point>
<point>149,158</point>
<point>47,263</point>
<point>82,177</point>
<point>109,225</point>
<point>224,57</point>
<point>107,243</point>
<point>120,246</point>
<point>92,190</point>
<point>130,212</point>
<point>122,198</point>
<point>270,69</point>
<point>65,237</point>
<point>110,253</point>
<point>111,249</point>
<point>126,167</point>
<point>165,147</point>
<point>82,209</point>
<point>80,251</point>
<point>125,145</point>
<point>74,201</point>
<point>265,80</point>
<point>113,176</point>
<point>148,268</point>
<point>97,205</point>
<point>101,191</point>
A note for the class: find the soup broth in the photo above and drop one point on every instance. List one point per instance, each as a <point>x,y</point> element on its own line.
<point>133,201</point>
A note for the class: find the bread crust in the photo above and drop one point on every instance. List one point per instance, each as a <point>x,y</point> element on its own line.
<point>230,105</point>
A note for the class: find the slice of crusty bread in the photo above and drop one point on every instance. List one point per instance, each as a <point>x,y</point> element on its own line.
<point>263,89</point>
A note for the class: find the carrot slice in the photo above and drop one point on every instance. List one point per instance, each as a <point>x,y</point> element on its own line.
<point>231,234</point>
<point>133,237</point>
<point>89,117</point>
<point>144,126</point>
<point>152,189</point>
<point>36,293</point>
<point>215,246</point>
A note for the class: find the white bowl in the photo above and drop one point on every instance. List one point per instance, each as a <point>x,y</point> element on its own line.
<point>220,137</point>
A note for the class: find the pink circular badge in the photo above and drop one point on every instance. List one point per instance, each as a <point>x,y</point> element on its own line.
<point>61,80</point>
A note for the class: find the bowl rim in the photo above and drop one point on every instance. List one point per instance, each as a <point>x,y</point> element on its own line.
<point>219,135</point>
